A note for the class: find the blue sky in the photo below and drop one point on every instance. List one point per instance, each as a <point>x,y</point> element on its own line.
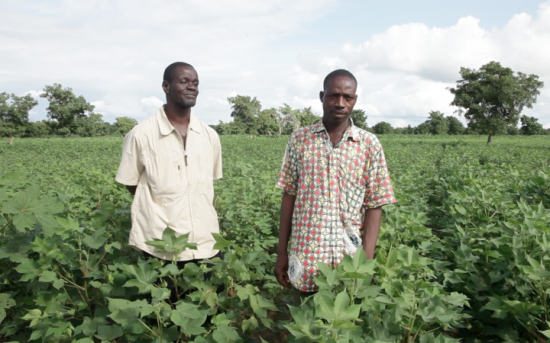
<point>404,53</point>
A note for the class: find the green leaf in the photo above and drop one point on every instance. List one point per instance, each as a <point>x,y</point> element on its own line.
<point>29,206</point>
<point>172,243</point>
<point>12,178</point>
<point>189,318</point>
<point>221,243</point>
<point>144,273</point>
<point>34,316</point>
<point>6,301</point>
<point>325,307</point>
<point>460,209</point>
<point>108,332</point>
<point>97,240</point>
<point>48,276</point>
<point>226,334</point>
<point>126,312</point>
<point>84,340</point>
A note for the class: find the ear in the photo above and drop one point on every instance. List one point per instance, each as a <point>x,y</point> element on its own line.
<point>321,95</point>
<point>165,87</point>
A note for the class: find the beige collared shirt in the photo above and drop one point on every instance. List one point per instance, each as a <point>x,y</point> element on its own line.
<point>174,185</point>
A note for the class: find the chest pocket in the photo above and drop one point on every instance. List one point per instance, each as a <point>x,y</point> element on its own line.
<point>353,189</point>
<point>163,172</point>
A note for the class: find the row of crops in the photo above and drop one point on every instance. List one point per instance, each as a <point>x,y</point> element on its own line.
<point>463,256</point>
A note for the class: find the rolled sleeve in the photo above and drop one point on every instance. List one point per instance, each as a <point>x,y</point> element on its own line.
<point>379,188</point>
<point>288,176</point>
<point>131,166</point>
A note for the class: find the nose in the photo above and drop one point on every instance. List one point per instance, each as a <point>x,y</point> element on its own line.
<point>340,101</point>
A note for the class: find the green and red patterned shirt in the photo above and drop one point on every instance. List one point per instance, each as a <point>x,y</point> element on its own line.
<point>333,187</point>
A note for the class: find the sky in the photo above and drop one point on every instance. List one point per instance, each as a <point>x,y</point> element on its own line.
<point>405,54</point>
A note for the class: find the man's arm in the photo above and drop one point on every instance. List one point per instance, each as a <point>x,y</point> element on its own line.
<point>371,229</point>
<point>131,189</point>
<point>285,224</point>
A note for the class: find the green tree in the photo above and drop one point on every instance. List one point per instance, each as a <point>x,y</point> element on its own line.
<point>455,126</point>
<point>437,123</point>
<point>382,128</point>
<point>14,114</point>
<point>267,122</point>
<point>399,131</point>
<point>530,126</point>
<point>409,130</point>
<point>422,129</point>
<point>307,118</point>
<point>123,125</point>
<point>37,129</point>
<point>65,107</point>
<point>493,97</point>
<point>91,126</point>
<point>359,118</point>
<point>289,119</point>
<point>512,131</point>
<point>246,110</point>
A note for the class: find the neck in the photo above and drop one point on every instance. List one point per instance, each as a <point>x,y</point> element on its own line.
<point>179,115</point>
<point>336,127</point>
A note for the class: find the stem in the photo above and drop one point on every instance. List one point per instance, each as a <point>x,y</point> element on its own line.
<point>87,297</point>
<point>540,339</point>
<point>411,328</point>
<point>175,281</point>
<point>416,334</point>
<point>147,327</point>
<point>7,223</point>
<point>91,270</point>
<point>159,324</point>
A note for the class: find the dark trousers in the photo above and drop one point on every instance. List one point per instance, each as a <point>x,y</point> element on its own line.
<point>181,265</point>
<point>298,295</point>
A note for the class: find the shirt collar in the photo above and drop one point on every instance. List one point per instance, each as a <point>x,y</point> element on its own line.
<point>166,127</point>
<point>351,131</point>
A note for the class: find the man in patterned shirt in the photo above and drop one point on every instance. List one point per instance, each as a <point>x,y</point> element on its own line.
<point>335,180</point>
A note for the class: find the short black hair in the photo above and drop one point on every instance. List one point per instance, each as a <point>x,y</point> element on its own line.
<point>336,73</point>
<point>169,71</point>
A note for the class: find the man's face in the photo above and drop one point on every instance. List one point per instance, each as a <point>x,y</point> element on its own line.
<point>183,90</point>
<point>338,99</point>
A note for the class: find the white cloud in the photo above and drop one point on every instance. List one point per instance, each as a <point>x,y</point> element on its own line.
<point>405,71</point>
<point>107,48</point>
<point>114,53</point>
<point>152,102</point>
<point>34,94</point>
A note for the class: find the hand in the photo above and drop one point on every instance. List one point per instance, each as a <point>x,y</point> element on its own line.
<point>281,270</point>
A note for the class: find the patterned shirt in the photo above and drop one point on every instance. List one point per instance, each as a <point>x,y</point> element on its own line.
<point>333,187</point>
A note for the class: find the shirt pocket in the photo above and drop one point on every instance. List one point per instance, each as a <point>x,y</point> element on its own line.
<point>352,191</point>
<point>164,172</point>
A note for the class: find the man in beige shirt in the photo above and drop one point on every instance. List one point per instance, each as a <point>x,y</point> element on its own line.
<point>169,162</point>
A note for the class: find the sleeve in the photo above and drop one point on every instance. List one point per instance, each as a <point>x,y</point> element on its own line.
<point>217,154</point>
<point>131,166</point>
<point>379,188</point>
<point>288,176</point>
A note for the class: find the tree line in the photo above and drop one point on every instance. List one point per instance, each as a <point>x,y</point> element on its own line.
<point>67,115</point>
<point>491,100</point>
